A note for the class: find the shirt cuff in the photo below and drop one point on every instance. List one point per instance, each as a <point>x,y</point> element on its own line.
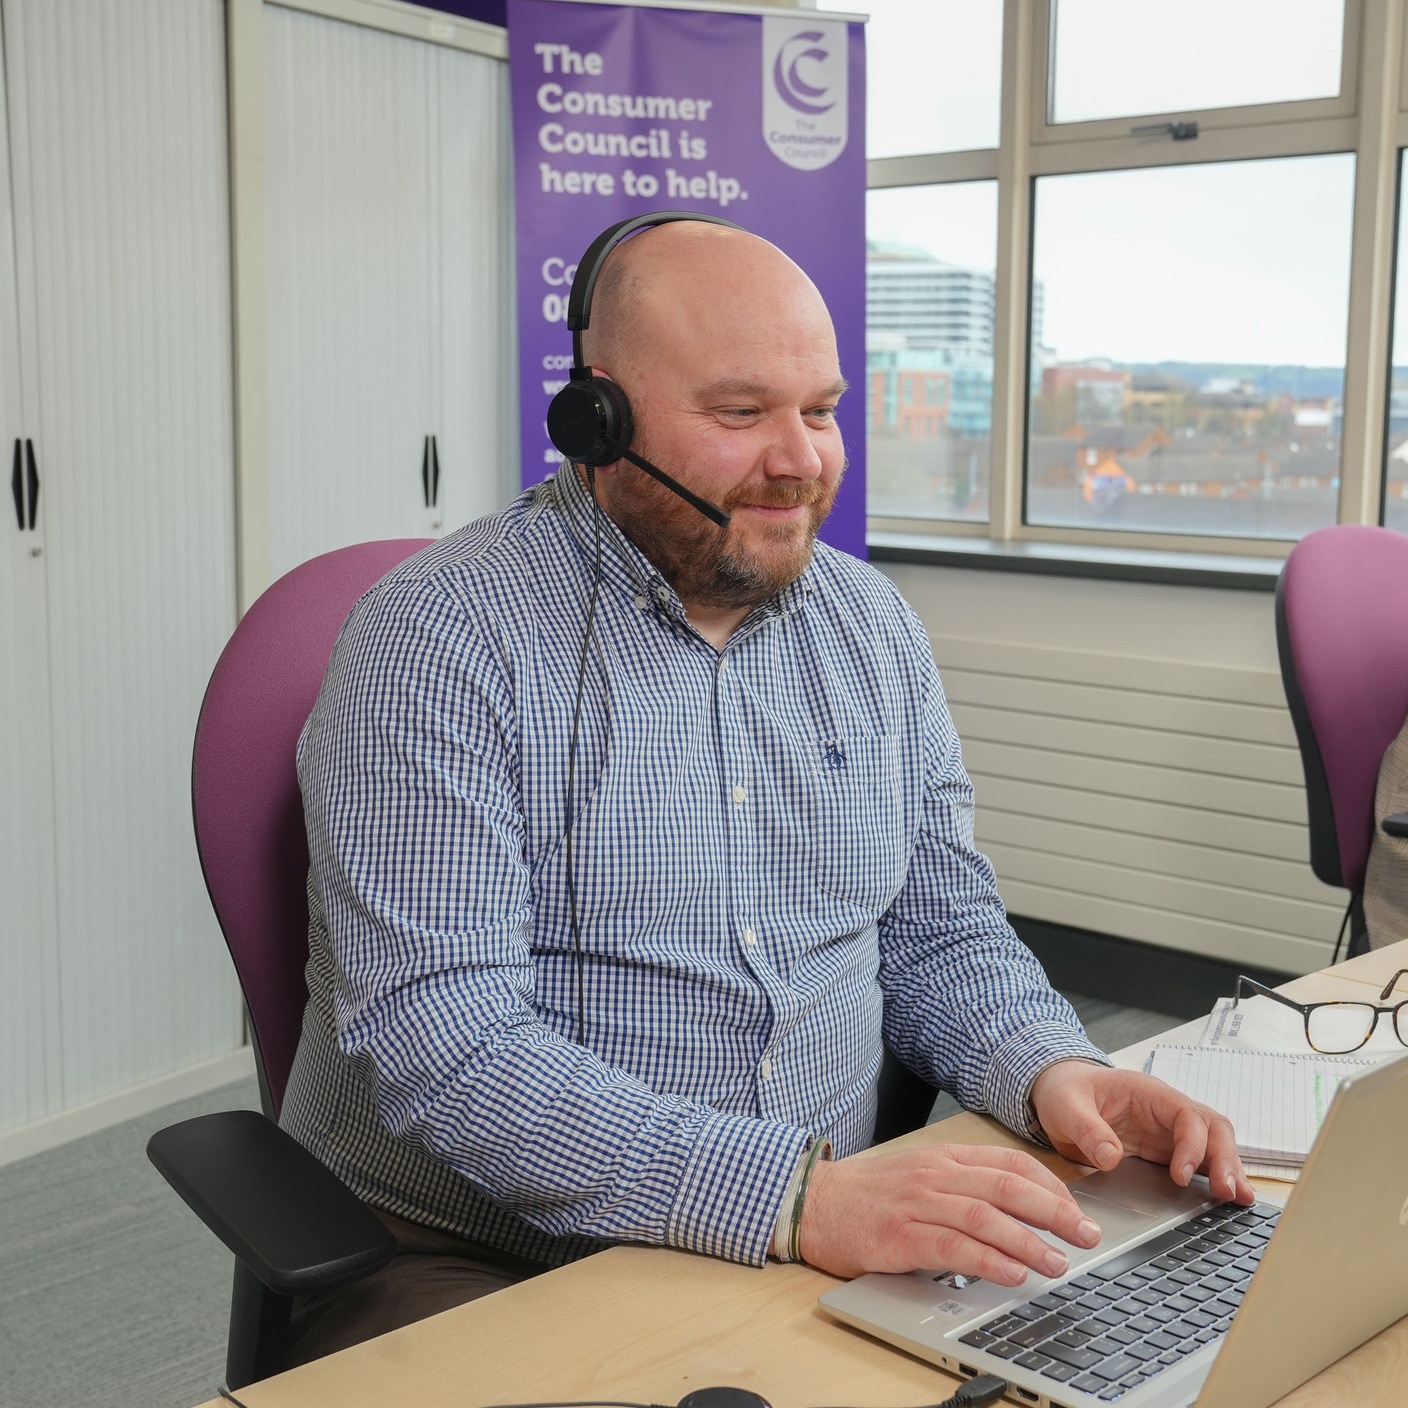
<point>735,1180</point>
<point>1019,1061</point>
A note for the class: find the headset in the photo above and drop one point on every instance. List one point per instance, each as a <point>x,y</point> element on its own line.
<point>589,419</point>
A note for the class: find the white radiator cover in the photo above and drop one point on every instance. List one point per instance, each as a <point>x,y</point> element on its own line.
<point>1122,789</point>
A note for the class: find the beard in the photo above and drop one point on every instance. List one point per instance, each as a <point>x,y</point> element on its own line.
<point>718,567</point>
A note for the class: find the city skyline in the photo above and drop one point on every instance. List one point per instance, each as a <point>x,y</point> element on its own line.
<point>1239,262</point>
<point>888,310</point>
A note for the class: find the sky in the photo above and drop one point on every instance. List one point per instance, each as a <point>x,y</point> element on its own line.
<point>1230,262</point>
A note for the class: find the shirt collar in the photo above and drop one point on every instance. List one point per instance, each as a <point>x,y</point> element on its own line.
<point>629,570</point>
<point>623,565</point>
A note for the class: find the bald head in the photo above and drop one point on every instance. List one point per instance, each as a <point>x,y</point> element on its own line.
<point>691,280</point>
<point>728,357</point>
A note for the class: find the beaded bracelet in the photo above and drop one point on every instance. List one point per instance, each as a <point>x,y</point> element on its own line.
<point>821,1149</point>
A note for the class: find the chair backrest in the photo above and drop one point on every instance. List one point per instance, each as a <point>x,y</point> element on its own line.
<point>1342,635</point>
<point>244,786</point>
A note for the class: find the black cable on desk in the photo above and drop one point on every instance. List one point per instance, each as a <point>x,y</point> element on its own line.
<point>584,1403</point>
<point>976,1393</point>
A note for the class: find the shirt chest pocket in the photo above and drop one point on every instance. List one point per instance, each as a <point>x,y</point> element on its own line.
<point>857,821</point>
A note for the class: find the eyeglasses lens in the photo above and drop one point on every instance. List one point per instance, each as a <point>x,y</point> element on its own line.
<point>1340,1026</point>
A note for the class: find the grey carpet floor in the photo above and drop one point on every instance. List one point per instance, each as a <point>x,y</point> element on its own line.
<point>113,1293</point>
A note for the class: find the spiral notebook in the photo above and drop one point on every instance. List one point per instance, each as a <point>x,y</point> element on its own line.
<point>1276,1101</point>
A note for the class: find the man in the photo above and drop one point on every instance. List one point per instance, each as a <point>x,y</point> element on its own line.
<point>770,857</point>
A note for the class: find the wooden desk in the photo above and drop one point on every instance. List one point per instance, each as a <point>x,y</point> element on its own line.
<point>647,1325</point>
<point>1373,969</point>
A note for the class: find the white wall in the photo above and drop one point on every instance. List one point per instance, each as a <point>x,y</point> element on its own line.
<point>1199,625</point>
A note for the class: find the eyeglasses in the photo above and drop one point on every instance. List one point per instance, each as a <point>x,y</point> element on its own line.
<point>1334,1028</point>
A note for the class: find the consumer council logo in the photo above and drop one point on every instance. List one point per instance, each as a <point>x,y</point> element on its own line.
<point>805,92</point>
<point>802,53</point>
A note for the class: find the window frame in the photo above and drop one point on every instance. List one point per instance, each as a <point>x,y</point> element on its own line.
<point>1369,118</point>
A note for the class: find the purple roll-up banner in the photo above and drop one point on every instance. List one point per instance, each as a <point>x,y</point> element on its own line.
<point>756,116</point>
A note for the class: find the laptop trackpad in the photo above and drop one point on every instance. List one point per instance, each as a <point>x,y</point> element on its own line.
<point>1145,1187</point>
<point>1130,1200</point>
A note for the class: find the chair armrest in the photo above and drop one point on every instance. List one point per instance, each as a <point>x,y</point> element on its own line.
<point>1396,825</point>
<point>294,1224</point>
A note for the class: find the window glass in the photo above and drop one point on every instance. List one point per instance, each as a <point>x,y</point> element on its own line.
<point>1187,365</point>
<point>1396,468</point>
<point>1121,58</point>
<point>930,252</point>
<point>935,71</point>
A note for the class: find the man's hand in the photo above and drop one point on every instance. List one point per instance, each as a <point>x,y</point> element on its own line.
<point>967,1208</point>
<point>1097,1115</point>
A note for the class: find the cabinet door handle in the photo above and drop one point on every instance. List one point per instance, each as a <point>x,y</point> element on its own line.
<point>434,472</point>
<point>33,485</point>
<point>425,470</point>
<point>17,487</point>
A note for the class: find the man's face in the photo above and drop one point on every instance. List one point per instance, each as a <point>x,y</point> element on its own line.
<point>735,396</point>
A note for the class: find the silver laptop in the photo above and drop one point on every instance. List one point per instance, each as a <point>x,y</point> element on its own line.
<point>1186,1300</point>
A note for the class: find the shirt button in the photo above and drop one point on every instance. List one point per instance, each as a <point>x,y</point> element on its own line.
<point>641,603</point>
<point>739,794</point>
<point>765,1070</point>
<point>749,937</point>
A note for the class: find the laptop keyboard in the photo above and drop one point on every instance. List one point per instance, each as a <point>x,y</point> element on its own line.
<point>1113,1328</point>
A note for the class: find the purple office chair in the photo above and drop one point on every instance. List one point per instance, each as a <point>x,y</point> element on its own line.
<point>294,1228</point>
<point>1342,635</point>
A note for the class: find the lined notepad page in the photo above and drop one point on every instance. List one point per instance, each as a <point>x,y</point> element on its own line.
<point>1276,1102</point>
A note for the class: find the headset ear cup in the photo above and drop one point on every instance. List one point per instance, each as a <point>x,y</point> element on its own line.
<point>589,421</point>
<point>622,423</point>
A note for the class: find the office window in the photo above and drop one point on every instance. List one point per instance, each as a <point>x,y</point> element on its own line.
<point>1192,266</point>
<point>941,62</point>
<point>930,291</point>
<point>1124,58</point>
<point>1188,365</point>
<point>1396,441</point>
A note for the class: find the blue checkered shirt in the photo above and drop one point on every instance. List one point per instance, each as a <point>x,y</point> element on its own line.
<point>774,865</point>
